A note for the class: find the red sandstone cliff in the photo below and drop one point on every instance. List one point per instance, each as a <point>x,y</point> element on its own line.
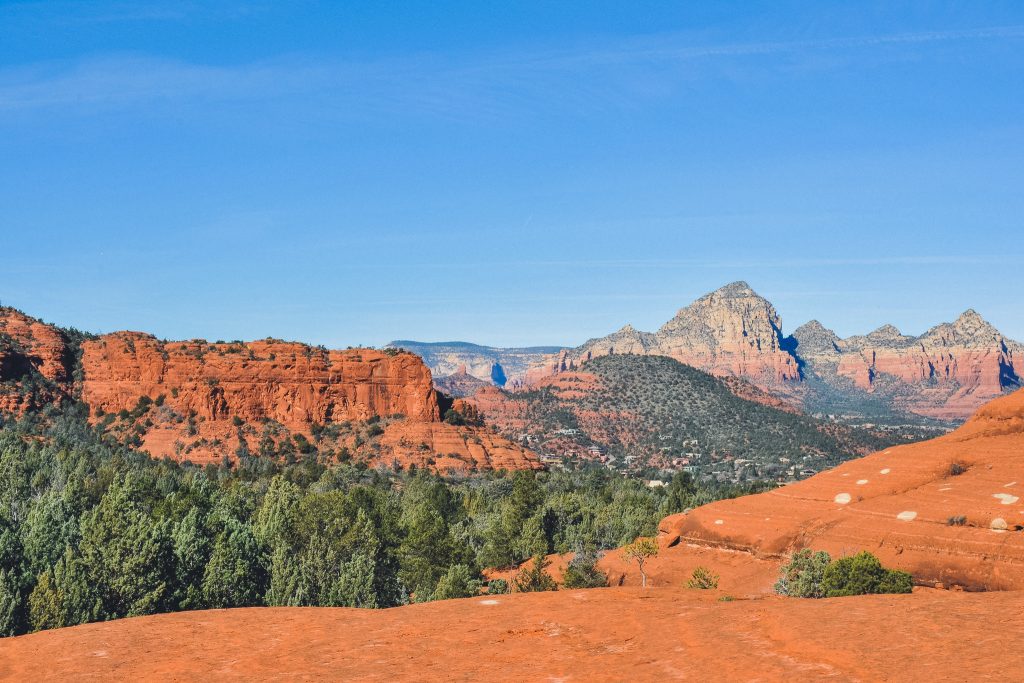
<point>33,362</point>
<point>203,402</point>
<point>289,383</point>
<point>946,373</point>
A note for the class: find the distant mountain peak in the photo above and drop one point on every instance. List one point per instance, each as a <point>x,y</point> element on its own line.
<point>813,337</point>
<point>735,290</point>
<point>971,320</point>
<point>886,331</point>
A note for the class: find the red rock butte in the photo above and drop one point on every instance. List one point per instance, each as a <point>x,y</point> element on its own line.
<point>221,386</point>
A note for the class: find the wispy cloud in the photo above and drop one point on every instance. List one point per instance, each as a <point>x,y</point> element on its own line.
<point>481,85</point>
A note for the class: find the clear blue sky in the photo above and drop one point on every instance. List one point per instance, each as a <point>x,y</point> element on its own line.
<point>353,172</point>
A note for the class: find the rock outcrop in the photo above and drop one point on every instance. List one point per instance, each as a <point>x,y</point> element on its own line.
<point>460,383</point>
<point>204,401</point>
<point>290,383</point>
<point>946,373</point>
<point>950,511</point>
<point>497,366</point>
<point>35,362</point>
<point>730,332</point>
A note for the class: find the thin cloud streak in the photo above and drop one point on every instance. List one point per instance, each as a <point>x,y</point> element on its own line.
<point>432,85</point>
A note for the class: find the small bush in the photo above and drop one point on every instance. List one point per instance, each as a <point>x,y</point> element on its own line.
<point>802,576</point>
<point>957,520</point>
<point>458,582</point>
<point>957,468</point>
<point>534,579</point>
<point>863,574</point>
<point>497,587</point>
<point>582,572</point>
<point>703,579</point>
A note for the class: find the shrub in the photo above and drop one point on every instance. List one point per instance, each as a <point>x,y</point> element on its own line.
<point>863,574</point>
<point>582,572</point>
<point>237,421</point>
<point>957,468</point>
<point>497,587</point>
<point>458,582</point>
<point>957,520</point>
<point>533,579</point>
<point>703,579</point>
<point>454,417</point>
<point>802,576</point>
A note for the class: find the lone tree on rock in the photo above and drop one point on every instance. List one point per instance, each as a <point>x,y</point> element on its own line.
<point>640,551</point>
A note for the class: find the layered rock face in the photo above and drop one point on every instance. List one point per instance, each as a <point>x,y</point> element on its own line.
<point>497,366</point>
<point>203,402</point>
<point>229,390</point>
<point>731,331</point>
<point>946,373</point>
<point>34,362</point>
<point>289,383</point>
<point>950,511</point>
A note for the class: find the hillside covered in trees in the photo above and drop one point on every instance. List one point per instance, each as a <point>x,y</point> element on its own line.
<point>653,413</point>
<point>91,529</point>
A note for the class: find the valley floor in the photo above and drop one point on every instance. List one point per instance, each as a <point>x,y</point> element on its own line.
<point>610,634</point>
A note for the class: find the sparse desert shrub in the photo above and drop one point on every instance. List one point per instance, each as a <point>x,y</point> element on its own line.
<point>802,576</point>
<point>582,572</point>
<point>957,520</point>
<point>957,468</point>
<point>533,579</point>
<point>702,579</point>
<point>863,574</point>
<point>497,587</point>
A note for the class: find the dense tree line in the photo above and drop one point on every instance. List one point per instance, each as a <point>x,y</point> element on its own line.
<point>93,530</point>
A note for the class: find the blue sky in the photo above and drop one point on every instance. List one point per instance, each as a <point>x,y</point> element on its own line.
<point>349,173</point>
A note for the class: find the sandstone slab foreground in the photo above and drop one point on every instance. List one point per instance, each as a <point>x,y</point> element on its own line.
<point>609,634</point>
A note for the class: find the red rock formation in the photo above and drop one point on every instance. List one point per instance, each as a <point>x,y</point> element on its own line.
<point>729,332</point>
<point>217,398</point>
<point>898,504</point>
<point>30,350</point>
<point>460,384</point>
<point>946,373</point>
<point>289,383</point>
<point>229,390</point>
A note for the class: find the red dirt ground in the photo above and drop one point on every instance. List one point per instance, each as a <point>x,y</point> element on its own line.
<point>610,634</point>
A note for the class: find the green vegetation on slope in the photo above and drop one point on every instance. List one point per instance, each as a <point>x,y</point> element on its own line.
<point>657,409</point>
<point>91,529</point>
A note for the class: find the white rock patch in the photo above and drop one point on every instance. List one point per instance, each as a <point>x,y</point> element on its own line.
<point>489,602</point>
<point>719,521</point>
<point>1006,498</point>
<point>1006,486</point>
<point>842,498</point>
<point>861,482</point>
<point>885,471</point>
<point>998,525</point>
<point>906,515</point>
